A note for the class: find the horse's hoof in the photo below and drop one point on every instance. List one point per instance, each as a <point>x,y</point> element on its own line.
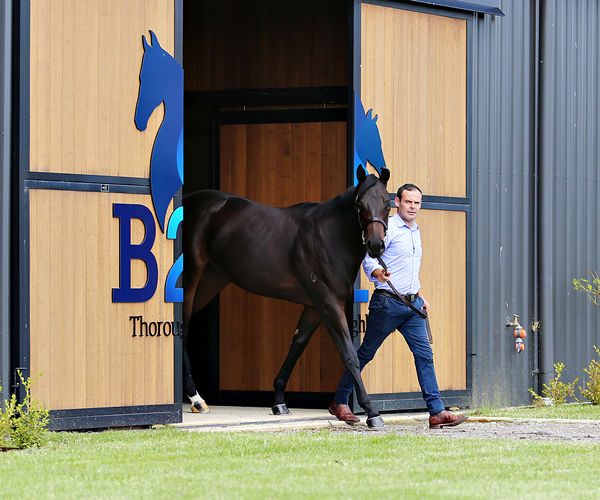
<point>280,410</point>
<point>375,422</point>
<point>200,408</point>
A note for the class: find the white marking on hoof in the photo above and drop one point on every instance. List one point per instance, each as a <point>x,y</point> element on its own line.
<point>198,404</point>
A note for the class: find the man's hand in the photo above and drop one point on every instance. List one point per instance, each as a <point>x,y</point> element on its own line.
<point>425,305</point>
<point>381,275</point>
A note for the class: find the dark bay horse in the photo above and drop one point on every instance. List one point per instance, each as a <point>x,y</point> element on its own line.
<point>308,253</point>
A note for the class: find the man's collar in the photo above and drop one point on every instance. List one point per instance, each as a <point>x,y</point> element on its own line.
<point>399,221</point>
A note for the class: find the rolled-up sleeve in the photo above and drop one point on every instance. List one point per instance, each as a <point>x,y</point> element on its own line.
<point>369,265</point>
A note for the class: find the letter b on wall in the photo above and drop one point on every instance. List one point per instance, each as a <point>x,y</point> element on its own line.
<point>129,251</point>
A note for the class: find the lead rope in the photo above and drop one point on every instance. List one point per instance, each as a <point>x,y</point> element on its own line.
<point>423,314</point>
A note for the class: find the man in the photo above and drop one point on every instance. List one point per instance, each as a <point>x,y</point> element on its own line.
<point>387,312</point>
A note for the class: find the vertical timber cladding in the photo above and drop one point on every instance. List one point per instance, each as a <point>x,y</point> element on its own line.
<point>255,332</point>
<point>414,75</point>
<point>85,64</point>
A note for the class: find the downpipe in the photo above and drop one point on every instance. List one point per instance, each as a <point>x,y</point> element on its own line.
<point>546,118</point>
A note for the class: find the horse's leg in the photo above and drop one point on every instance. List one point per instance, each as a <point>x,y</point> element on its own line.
<point>307,324</point>
<point>197,294</point>
<point>334,318</point>
<point>189,387</point>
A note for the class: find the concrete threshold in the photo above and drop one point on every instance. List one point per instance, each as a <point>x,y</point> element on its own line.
<point>252,419</point>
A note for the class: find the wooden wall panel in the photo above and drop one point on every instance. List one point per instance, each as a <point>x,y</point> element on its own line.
<point>414,75</point>
<point>443,282</point>
<point>277,164</point>
<point>81,342</point>
<point>85,62</point>
<point>265,44</point>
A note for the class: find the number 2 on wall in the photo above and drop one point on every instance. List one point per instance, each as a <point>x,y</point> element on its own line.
<point>172,292</point>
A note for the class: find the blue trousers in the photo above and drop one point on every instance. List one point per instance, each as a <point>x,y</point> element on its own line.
<point>387,314</point>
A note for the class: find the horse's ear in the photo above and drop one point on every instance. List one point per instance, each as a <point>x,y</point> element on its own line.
<point>361,175</point>
<point>384,176</point>
<point>145,42</point>
<point>370,113</point>
<point>375,119</point>
<point>154,39</point>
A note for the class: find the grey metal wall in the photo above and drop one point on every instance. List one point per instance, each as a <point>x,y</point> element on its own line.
<point>569,179</point>
<point>503,202</point>
<point>536,192</point>
<point>5,137</point>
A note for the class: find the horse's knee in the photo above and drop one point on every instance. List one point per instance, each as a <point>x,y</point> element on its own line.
<point>301,338</point>
<point>353,363</point>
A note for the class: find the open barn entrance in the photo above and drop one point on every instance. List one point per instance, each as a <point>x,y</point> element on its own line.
<point>265,118</point>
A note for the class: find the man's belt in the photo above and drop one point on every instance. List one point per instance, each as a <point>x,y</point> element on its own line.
<point>411,297</point>
<point>421,313</point>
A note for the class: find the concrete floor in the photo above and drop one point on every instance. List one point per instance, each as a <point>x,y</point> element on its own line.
<point>239,418</point>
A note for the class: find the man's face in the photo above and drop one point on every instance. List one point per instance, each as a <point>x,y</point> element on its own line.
<point>410,205</point>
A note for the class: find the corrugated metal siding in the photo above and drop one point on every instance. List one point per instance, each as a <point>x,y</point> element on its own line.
<point>570,178</point>
<point>503,202</point>
<point>512,210</point>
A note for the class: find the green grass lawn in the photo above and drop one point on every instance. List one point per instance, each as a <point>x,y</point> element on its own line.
<point>572,411</point>
<point>170,463</point>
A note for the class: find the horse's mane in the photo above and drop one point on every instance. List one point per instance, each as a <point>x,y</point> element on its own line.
<point>314,210</point>
<point>347,198</point>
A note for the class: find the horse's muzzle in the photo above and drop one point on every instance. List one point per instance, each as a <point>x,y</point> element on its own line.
<point>375,247</point>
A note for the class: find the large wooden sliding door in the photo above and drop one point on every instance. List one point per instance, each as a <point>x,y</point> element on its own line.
<point>277,164</point>
<point>413,73</point>
<point>85,156</point>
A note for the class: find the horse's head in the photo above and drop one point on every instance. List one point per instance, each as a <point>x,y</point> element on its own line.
<point>368,142</point>
<point>367,138</point>
<point>151,93</point>
<point>372,203</point>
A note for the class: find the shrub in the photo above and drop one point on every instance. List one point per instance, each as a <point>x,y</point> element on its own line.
<point>557,391</point>
<point>592,390</point>
<point>590,287</point>
<point>536,400</point>
<point>23,425</point>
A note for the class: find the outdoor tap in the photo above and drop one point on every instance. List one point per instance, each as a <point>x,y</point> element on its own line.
<point>515,322</point>
<point>519,333</point>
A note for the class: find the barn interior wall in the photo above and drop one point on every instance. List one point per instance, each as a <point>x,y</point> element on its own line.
<point>238,46</point>
<point>264,44</point>
<point>235,49</point>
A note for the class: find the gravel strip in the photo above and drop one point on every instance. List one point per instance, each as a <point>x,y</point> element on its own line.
<point>568,431</point>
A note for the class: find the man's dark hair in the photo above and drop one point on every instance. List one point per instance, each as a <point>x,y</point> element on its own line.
<point>407,187</point>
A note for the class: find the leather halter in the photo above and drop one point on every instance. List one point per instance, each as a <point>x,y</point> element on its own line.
<point>359,192</point>
<point>363,227</point>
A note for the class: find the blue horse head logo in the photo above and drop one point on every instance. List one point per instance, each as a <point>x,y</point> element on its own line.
<point>367,142</point>
<point>161,80</point>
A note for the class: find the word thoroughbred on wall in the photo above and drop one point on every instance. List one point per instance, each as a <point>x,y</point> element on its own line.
<point>161,80</point>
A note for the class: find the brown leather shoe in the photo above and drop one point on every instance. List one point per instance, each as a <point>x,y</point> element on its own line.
<point>446,419</point>
<point>343,412</point>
